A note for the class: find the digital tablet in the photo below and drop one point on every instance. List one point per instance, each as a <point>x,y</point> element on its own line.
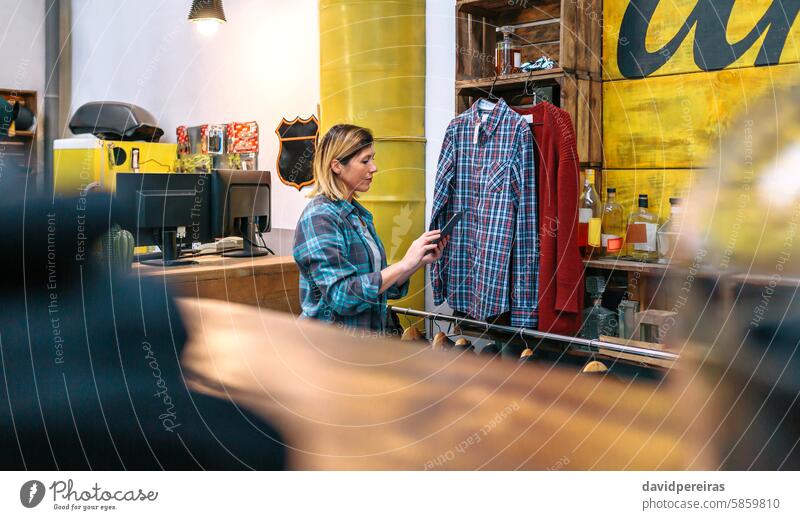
<point>447,230</point>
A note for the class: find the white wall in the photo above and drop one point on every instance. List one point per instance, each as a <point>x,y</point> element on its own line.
<point>262,65</point>
<point>22,50</point>
<point>439,94</point>
<point>145,52</point>
<point>22,45</point>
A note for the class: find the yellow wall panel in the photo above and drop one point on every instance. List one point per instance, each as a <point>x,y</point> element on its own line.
<point>670,15</point>
<point>676,121</point>
<point>658,185</point>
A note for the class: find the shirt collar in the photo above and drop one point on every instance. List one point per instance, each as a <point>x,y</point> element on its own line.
<point>346,208</point>
<point>495,116</point>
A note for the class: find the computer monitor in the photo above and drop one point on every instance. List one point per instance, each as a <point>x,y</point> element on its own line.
<point>165,210</point>
<point>241,207</point>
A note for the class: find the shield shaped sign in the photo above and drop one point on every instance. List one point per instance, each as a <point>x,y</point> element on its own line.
<point>298,142</point>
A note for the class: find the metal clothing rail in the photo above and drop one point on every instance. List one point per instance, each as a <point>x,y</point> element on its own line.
<point>588,345</point>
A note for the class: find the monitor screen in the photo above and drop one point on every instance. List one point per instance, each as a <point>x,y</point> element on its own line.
<point>146,203</point>
<point>239,195</point>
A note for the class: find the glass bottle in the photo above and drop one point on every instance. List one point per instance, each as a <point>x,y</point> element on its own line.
<point>508,57</point>
<point>613,226</point>
<point>597,320</point>
<point>641,233</point>
<point>590,214</point>
<point>669,231</point>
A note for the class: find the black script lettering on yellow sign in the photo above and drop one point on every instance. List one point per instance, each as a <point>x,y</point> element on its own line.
<point>712,50</point>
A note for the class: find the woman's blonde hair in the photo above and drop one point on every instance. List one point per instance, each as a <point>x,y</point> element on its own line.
<point>341,143</point>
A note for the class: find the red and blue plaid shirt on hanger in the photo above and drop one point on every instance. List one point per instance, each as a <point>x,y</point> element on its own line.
<point>486,170</point>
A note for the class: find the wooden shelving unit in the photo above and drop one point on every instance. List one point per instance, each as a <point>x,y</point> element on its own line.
<point>513,82</point>
<point>568,32</point>
<point>658,286</point>
<point>651,284</point>
<point>20,148</point>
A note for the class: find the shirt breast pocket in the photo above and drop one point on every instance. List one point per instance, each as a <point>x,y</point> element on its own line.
<point>497,177</point>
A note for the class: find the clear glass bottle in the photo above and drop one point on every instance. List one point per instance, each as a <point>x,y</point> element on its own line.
<point>508,56</point>
<point>590,213</point>
<point>669,231</point>
<point>642,233</point>
<point>613,226</point>
<point>597,320</point>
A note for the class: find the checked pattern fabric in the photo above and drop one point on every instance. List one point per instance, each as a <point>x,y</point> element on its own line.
<point>486,170</point>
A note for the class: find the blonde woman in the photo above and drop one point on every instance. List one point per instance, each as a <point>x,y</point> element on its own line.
<point>343,273</point>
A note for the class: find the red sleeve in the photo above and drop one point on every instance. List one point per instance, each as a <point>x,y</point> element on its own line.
<point>569,272</point>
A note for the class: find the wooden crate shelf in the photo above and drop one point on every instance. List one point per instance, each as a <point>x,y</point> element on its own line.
<point>567,32</point>
<point>507,82</point>
<point>657,286</point>
<point>626,265</point>
<point>24,133</point>
<point>512,11</point>
<point>21,147</point>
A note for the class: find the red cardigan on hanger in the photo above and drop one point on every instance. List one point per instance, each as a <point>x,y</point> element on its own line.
<point>558,184</point>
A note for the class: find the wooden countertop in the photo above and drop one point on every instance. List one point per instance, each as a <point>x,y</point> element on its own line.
<point>268,282</point>
<point>210,266</point>
<point>344,401</point>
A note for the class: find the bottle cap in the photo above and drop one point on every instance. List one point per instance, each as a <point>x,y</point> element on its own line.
<point>643,200</point>
<point>675,201</point>
<point>590,176</point>
<point>611,190</point>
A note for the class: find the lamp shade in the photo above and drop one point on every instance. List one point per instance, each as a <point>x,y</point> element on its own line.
<point>207,10</point>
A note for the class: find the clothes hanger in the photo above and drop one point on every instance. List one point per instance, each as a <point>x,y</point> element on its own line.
<point>491,97</point>
<point>528,91</point>
<point>525,92</point>
<point>528,352</point>
<point>465,344</point>
<point>441,340</point>
<point>412,333</point>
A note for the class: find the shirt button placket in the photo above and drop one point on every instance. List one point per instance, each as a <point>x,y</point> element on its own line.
<point>476,196</point>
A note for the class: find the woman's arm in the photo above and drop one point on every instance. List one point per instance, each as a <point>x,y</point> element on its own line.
<point>395,274</point>
<point>423,251</point>
<point>321,254</point>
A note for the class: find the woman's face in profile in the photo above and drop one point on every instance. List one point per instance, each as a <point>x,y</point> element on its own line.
<point>357,174</point>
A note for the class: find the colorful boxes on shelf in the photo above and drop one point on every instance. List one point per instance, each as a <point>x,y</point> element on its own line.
<point>218,146</point>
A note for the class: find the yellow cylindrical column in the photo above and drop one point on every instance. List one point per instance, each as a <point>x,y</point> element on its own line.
<point>372,59</point>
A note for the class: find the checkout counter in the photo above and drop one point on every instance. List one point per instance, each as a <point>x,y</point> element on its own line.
<point>209,207</point>
<point>174,210</point>
<point>267,282</point>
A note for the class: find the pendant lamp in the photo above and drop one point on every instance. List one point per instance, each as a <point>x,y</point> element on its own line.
<point>208,15</point>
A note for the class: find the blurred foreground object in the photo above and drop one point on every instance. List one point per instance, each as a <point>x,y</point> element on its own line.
<point>743,218</point>
<point>91,363</point>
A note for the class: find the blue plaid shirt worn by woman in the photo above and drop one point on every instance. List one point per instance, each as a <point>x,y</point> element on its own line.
<point>339,282</point>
